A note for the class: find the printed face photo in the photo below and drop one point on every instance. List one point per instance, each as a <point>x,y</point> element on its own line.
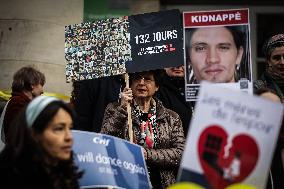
<point>213,54</point>
<point>217,49</point>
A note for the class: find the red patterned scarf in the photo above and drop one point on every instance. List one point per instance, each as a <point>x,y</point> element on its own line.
<point>148,125</point>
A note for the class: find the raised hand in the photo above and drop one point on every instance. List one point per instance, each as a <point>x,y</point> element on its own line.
<point>126,96</point>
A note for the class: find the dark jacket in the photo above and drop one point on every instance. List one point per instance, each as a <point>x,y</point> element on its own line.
<point>267,82</point>
<point>276,173</point>
<point>26,177</point>
<point>166,157</point>
<point>27,170</point>
<point>172,94</point>
<point>275,178</point>
<point>17,102</point>
<point>92,99</point>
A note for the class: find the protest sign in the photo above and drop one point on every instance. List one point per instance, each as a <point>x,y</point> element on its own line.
<point>108,161</point>
<point>231,139</point>
<point>122,45</point>
<point>217,49</point>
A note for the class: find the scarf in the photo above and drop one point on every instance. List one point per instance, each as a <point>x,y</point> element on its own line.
<point>147,124</point>
<point>272,71</point>
<point>276,81</point>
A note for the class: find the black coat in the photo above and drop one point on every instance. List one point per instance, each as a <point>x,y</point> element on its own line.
<point>276,174</point>
<point>267,82</point>
<point>171,93</point>
<point>21,175</point>
<point>93,97</point>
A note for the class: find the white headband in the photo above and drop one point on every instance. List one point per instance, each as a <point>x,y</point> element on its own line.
<point>36,106</point>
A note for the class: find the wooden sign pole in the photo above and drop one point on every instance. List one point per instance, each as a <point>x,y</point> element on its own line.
<point>129,119</point>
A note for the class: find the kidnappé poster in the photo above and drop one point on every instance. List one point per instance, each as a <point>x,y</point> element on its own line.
<point>236,141</point>
<point>217,49</point>
<point>123,45</point>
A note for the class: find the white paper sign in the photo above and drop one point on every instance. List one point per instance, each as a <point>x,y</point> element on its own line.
<point>231,138</point>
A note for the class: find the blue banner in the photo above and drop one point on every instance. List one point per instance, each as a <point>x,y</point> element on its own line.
<point>109,161</point>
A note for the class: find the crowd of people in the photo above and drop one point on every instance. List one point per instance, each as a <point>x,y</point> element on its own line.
<point>36,129</point>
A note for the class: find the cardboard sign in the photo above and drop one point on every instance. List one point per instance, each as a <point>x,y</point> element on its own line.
<point>127,44</point>
<point>217,49</point>
<point>108,161</point>
<point>231,139</point>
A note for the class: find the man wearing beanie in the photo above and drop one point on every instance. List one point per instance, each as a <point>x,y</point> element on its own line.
<point>273,77</point>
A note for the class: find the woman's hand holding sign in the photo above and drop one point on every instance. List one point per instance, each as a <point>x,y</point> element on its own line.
<point>126,96</point>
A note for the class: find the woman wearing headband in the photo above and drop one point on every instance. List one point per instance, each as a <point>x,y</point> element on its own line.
<point>38,151</point>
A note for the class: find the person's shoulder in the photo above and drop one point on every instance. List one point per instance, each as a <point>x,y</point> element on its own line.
<point>261,82</point>
<point>9,177</point>
<point>172,113</point>
<point>258,84</point>
<point>19,98</point>
<point>21,174</point>
<point>112,105</point>
<point>165,111</point>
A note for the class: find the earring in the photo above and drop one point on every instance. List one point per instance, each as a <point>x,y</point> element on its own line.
<point>238,66</point>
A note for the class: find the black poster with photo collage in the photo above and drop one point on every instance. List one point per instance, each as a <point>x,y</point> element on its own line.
<point>122,45</point>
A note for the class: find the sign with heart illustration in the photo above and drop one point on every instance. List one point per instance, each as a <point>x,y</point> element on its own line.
<point>223,169</point>
<point>231,139</point>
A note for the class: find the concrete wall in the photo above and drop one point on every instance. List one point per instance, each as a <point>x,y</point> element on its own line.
<point>32,33</point>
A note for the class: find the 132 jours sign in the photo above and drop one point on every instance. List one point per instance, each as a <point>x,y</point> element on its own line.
<point>156,36</point>
<point>155,40</point>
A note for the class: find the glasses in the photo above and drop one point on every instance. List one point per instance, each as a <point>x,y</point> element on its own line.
<point>146,79</point>
<point>277,57</point>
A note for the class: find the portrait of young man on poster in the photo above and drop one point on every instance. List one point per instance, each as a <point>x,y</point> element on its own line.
<point>217,49</point>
